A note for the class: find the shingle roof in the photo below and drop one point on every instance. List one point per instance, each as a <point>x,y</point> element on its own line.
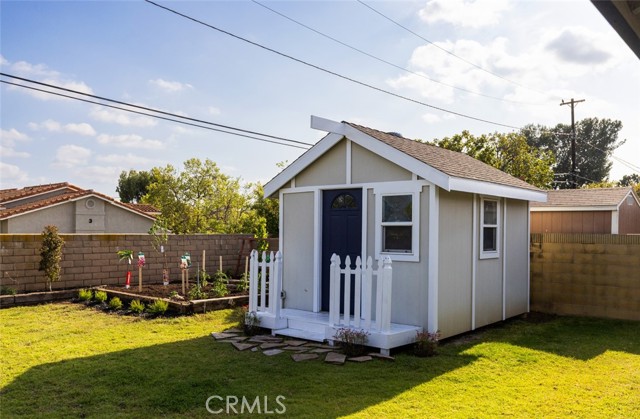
<point>452,163</point>
<point>67,193</point>
<point>584,197</point>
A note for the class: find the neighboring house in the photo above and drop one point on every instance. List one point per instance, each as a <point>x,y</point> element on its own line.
<point>455,230</point>
<point>71,209</point>
<point>602,210</point>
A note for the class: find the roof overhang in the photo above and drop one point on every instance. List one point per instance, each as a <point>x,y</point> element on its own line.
<point>575,209</point>
<point>338,130</point>
<point>624,17</point>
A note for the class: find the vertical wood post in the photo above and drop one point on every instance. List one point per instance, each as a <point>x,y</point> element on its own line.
<point>275,284</point>
<point>387,276</point>
<point>204,268</point>
<point>334,298</point>
<point>253,282</point>
<point>347,291</point>
<point>357,293</point>
<point>367,292</point>
<point>379,281</point>
<point>140,278</point>
<point>263,283</point>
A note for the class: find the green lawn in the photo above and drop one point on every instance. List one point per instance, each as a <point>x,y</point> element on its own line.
<point>65,360</point>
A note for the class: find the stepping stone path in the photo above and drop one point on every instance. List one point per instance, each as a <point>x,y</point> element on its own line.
<point>300,350</point>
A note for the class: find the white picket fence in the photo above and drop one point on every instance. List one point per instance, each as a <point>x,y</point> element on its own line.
<point>267,272</point>
<point>362,294</point>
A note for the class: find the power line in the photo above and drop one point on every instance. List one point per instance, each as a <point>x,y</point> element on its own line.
<point>147,109</point>
<point>446,50</point>
<point>382,60</point>
<point>333,73</point>
<point>151,115</point>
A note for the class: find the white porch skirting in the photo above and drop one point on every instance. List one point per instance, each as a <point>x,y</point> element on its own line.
<point>316,327</point>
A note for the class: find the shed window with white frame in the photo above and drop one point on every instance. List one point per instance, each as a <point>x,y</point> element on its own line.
<point>397,219</point>
<point>490,228</point>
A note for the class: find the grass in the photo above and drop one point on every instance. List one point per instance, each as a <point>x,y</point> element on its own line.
<point>66,360</point>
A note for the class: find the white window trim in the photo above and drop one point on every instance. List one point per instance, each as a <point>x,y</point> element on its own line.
<point>414,256</point>
<point>492,254</point>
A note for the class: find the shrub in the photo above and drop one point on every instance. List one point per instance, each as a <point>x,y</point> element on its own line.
<point>115,304</point>
<point>100,296</point>
<point>219,289</point>
<point>426,343</point>
<point>352,341</point>
<point>136,306</point>
<point>85,295</point>
<point>220,276</point>
<point>51,254</point>
<point>248,321</point>
<point>8,291</point>
<point>158,307</point>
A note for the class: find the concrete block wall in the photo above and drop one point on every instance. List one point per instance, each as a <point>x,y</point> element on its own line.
<point>91,259</point>
<point>586,274</point>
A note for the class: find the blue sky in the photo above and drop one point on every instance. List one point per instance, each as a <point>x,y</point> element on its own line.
<point>139,53</point>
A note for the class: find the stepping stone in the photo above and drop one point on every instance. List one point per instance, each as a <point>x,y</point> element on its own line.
<point>364,358</point>
<point>242,346</point>
<point>304,357</point>
<point>272,352</point>
<point>335,358</point>
<point>218,336</point>
<point>380,356</point>
<point>233,330</point>
<point>271,345</point>
<point>294,348</point>
<point>254,349</point>
<point>320,351</point>
<point>264,339</point>
<point>322,346</point>
<point>295,342</point>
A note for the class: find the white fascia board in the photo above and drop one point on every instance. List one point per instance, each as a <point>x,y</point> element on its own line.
<point>301,163</point>
<point>398,157</point>
<point>572,209</point>
<point>494,189</point>
<point>327,125</point>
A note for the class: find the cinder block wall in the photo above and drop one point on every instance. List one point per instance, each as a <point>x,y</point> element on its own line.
<point>90,260</point>
<point>586,274</point>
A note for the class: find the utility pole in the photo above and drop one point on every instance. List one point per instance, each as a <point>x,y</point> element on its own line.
<point>573,104</point>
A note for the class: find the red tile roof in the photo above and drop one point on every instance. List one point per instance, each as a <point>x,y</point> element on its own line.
<point>67,193</point>
<point>605,197</point>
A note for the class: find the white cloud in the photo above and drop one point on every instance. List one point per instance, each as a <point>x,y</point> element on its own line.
<point>69,156</point>
<point>170,86</point>
<point>45,75</point>
<point>54,126</point>
<point>8,139</point>
<point>128,160</point>
<point>430,118</point>
<point>213,111</point>
<point>12,175</point>
<point>129,141</point>
<point>466,13</point>
<point>121,118</point>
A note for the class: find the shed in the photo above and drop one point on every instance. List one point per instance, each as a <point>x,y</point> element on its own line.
<point>596,211</point>
<point>448,232</point>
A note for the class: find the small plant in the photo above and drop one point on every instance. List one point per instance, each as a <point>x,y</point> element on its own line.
<point>426,343</point>
<point>173,294</point>
<point>197,293</point>
<point>115,304</point>
<point>100,296</point>
<point>219,289</point>
<point>85,294</point>
<point>204,278</point>
<point>352,341</point>
<point>220,276</point>
<point>249,321</point>
<point>8,291</point>
<point>136,306</point>
<point>51,254</point>
<point>243,285</point>
<point>158,307</point>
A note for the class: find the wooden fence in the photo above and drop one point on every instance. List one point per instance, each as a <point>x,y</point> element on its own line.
<point>586,274</point>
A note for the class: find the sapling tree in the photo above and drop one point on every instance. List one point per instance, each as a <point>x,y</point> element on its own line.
<point>128,256</point>
<point>51,254</point>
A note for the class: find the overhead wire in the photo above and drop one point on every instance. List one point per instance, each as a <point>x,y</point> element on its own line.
<point>156,116</point>
<point>382,60</point>
<point>333,73</point>
<point>145,108</point>
<point>447,51</point>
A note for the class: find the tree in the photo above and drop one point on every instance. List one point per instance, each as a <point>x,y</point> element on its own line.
<point>268,208</point>
<point>507,152</point>
<point>201,199</point>
<point>631,180</point>
<point>51,254</point>
<point>596,140</point>
<point>132,186</point>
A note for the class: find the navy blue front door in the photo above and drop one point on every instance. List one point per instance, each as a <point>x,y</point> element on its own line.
<point>341,233</point>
